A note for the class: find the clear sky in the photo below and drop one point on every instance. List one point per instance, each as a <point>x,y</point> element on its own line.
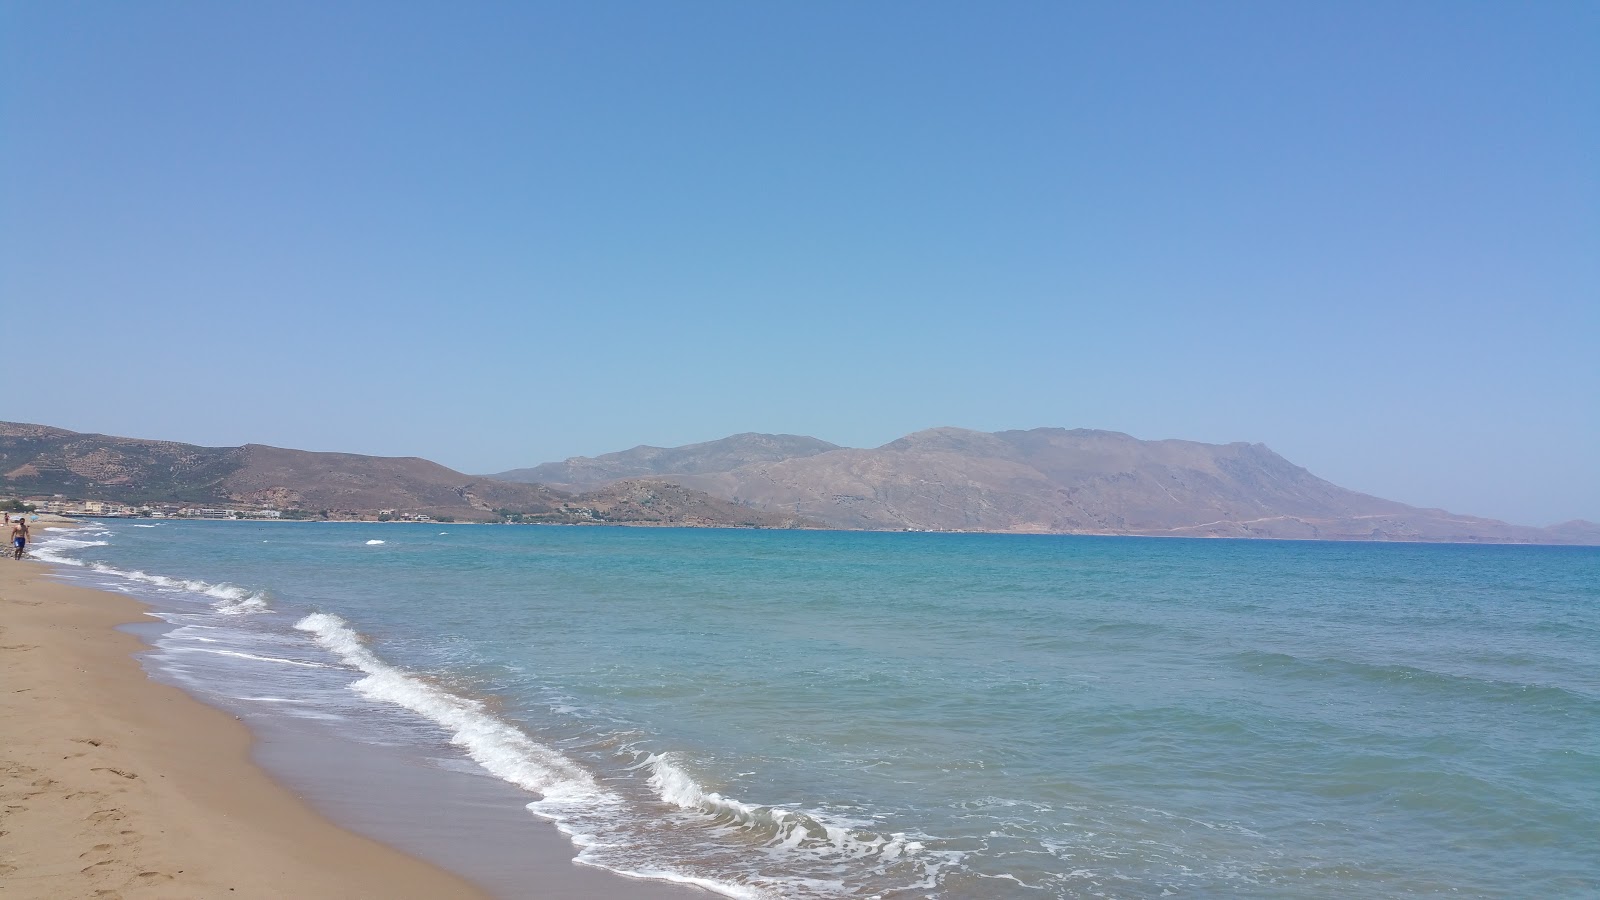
<point>494,235</point>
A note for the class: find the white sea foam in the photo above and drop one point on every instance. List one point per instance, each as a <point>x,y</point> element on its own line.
<point>232,599</point>
<point>785,828</point>
<point>45,554</point>
<point>738,892</point>
<point>144,526</point>
<point>50,549</point>
<point>239,654</point>
<point>371,543</point>
<point>503,750</point>
<point>73,543</point>
<point>252,604</point>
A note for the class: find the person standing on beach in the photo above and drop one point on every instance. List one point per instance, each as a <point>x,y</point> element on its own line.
<point>19,536</point>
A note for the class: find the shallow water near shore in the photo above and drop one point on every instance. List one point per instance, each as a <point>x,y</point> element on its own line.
<point>826,714</point>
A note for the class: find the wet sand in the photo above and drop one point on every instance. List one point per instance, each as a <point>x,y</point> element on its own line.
<point>115,786</point>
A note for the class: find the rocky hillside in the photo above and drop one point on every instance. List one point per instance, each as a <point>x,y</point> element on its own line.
<point>1043,480</point>
<point>661,503</point>
<point>582,473</point>
<point>37,461</point>
<point>1084,482</point>
<point>300,479</point>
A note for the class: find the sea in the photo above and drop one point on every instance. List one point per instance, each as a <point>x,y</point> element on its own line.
<point>817,714</point>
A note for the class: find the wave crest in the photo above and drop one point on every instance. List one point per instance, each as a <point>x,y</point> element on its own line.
<point>783,828</point>
<point>503,750</point>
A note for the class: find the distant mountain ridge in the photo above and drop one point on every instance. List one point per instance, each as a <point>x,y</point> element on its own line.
<point>1045,480</point>
<point>1053,480</point>
<point>41,461</point>
<point>583,472</point>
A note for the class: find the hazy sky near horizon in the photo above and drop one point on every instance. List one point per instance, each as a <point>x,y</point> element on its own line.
<point>499,234</point>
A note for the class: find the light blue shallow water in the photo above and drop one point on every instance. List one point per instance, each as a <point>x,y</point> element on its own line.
<point>959,716</point>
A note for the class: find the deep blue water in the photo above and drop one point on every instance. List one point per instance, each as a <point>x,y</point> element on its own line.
<point>840,714</point>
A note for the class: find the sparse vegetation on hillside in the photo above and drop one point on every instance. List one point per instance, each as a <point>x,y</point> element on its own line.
<point>38,461</point>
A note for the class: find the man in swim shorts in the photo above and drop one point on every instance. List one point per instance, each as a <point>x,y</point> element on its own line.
<point>19,536</point>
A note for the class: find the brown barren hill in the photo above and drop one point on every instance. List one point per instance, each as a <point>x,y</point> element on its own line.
<point>1080,481</point>
<point>41,462</point>
<point>652,502</point>
<point>1052,480</point>
<point>582,473</point>
<point>273,476</point>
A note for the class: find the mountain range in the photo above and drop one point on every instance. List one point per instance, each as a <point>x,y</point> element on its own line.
<point>1044,480</point>
<point>1050,480</point>
<point>37,461</point>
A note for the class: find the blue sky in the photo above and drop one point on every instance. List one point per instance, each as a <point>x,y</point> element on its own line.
<point>494,235</point>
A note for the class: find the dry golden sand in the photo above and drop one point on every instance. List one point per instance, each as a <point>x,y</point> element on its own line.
<point>115,786</point>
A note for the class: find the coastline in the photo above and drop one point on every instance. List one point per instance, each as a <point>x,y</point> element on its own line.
<point>115,785</point>
<point>112,784</point>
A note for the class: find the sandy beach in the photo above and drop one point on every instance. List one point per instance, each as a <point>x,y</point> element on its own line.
<point>113,785</point>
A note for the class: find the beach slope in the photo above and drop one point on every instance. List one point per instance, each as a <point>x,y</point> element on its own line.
<point>115,786</point>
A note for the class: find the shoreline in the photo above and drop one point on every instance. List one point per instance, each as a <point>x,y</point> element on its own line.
<point>78,521</point>
<point>114,784</point>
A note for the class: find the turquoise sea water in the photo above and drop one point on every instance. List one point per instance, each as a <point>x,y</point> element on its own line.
<point>816,714</point>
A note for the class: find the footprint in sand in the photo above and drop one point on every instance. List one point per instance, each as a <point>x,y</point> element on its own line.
<point>44,785</point>
<point>128,775</point>
<point>93,742</point>
<point>101,816</point>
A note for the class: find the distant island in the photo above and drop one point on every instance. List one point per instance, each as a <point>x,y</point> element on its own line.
<point>1045,480</point>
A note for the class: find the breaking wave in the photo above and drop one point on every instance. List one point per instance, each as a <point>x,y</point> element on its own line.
<point>505,751</point>
<point>229,599</point>
<point>611,829</point>
<point>784,828</point>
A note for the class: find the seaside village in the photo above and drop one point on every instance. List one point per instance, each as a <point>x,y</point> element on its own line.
<point>107,509</point>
